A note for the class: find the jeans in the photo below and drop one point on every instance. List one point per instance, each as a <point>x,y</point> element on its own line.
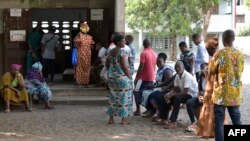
<point>192,104</point>
<point>177,100</point>
<point>219,115</point>
<point>49,68</point>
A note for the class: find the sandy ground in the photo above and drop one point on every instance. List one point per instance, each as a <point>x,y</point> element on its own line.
<point>88,123</point>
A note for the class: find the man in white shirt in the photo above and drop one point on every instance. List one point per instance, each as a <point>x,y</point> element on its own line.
<point>186,87</point>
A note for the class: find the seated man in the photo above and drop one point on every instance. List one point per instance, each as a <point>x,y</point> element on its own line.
<point>185,87</point>
<point>194,104</point>
<point>12,88</point>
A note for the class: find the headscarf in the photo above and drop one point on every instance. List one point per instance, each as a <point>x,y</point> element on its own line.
<point>84,27</point>
<point>16,66</point>
<point>35,73</point>
<point>212,43</point>
<point>37,66</point>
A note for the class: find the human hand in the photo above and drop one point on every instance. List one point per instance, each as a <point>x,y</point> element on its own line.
<point>201,99</point>
<point>18,93</point>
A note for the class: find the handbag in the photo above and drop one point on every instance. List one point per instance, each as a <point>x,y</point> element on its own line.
<point>74,56</point>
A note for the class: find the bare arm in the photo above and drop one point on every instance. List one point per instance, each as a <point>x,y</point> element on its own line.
<point>168,75</point>
<point>125,67</point>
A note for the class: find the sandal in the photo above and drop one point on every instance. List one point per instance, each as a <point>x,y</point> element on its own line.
<point>191,128</point>
<point>170,125</point>
<point>125,123</point>
<point>111,122</point>
<point>7,111</point>
<point>136,113</point>
<point>28,110</point>
<point>48,107</point>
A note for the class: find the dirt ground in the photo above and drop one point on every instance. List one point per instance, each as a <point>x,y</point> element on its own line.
<point>88,123</point>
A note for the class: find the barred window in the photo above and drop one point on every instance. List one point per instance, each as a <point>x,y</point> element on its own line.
<point>159,42</point>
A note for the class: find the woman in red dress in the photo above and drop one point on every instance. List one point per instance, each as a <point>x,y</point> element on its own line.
<point>83,43</point>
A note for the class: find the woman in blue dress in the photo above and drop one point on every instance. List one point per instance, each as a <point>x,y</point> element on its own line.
<point>119,82</point>
<point>36,85</point>
<point>164,77</point>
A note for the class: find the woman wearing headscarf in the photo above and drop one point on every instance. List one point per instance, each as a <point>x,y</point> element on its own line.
<point>119,82</point>
<point>36,85</point>
<point>12,88</point>
<point>83,43</point>
<point>205,124</point>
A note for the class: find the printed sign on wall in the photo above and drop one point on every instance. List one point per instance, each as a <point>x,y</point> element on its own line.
<point>17,35</point>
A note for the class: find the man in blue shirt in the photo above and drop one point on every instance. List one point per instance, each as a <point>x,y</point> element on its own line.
<point>201,54</point>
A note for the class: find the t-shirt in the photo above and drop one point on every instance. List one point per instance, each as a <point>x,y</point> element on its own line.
<point>50,42</point>
<point>148,58</point>
<point>187,80</point>
<point>101,54</point>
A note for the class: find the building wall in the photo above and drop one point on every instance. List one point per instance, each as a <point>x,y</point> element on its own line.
<point>114,7</point>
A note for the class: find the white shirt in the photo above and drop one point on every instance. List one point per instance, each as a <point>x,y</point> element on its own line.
<point>187,81</point>
<point>126,51</point>
<point>101,54</point>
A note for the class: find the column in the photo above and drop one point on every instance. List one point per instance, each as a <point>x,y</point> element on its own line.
<point>120,16</point>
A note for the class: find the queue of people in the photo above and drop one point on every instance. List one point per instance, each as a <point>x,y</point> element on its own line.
<point>208,82</point>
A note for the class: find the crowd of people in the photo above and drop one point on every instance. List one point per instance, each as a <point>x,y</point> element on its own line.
<point>207,82</point>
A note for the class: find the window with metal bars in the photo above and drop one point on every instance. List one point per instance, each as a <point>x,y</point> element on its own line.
<point>159,42</point>
<point>63,30</point>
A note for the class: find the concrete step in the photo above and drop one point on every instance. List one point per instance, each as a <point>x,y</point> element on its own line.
<point>69,94</point>
<point>72,90</point>
<point>80,100</point>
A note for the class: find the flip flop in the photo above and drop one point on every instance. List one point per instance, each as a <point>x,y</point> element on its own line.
<point>111,122</point>
<point>125,123</point>
<point>7,111</point>
<point>136,113</point>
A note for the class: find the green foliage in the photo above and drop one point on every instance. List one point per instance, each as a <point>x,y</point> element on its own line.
<point>248,3</point>
<point>167,17</point>
<point>245,31</point>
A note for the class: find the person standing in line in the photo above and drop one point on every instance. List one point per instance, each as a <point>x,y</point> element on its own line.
<point>201,54</point>
<point>205,126</point>
<point>83,42</point>
<point>129,40</point>
<point>103,73</point>
<point>227,64</point>
<point>49,43</point>
<point>187,57</point>
<point>146,73</point>
<point>34,43</point>
<point>119,82</point>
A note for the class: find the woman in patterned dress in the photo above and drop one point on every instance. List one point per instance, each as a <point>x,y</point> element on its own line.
<point>83,43</point>
<point>120,82</point>
<point>36,85</point>
<point>205,124</point>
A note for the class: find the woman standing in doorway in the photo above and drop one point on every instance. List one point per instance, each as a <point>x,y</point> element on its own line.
<point>83,43</point>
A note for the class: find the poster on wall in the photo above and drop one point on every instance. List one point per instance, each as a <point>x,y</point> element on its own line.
<point>16,12</point>
<point>96,14</point>
<point>17,35</point>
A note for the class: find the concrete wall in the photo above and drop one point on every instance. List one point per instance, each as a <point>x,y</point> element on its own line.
<point>114,7</point>
<point>242,43</point>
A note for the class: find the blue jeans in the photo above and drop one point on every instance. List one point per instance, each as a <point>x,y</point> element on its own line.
<point>192,104</point>
<point>219,116</point>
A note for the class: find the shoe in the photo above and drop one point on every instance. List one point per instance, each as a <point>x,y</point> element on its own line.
<point>170,125</point>
<point>136,113</point>
<point>191,128</point>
